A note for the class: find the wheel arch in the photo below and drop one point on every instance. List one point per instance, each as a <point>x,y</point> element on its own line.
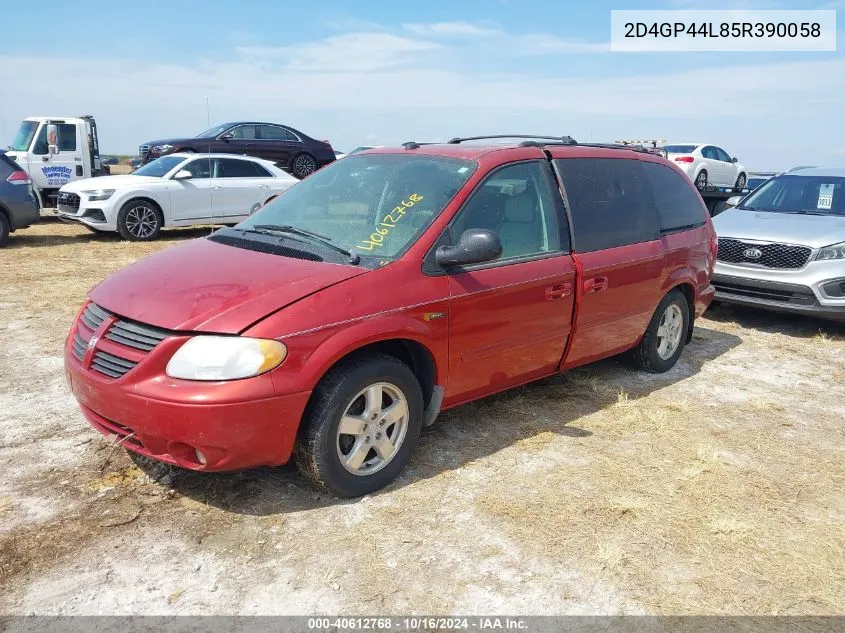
<point>409,351</point>
<point>141,197</point>
<point>688,290</point>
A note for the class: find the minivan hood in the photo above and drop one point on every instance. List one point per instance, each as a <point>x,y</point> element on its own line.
<point>203,286</point>
<point>814,231</point>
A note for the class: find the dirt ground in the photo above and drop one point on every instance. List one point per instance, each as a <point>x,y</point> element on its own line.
<point>716,488</point>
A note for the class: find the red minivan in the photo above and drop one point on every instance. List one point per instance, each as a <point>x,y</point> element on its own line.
<point>340,319</point>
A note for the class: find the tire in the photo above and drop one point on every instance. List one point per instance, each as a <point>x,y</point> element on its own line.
<point>647,355</point>
<point>5,229</point>
<point>741,181</point>
<point>139,220</point>
<point>303,164</point>
<point>701,179</point>
<point>321,447</point>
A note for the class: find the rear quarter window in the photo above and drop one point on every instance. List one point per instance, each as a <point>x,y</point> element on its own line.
<point>678,206</point>
<point>609,202</point>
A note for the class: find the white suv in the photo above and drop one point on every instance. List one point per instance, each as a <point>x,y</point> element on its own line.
<point>707,165</point>
<point>179,189</point>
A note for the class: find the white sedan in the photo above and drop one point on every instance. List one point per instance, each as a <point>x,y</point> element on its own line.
<point>707,165</point>
<point>179,189</point>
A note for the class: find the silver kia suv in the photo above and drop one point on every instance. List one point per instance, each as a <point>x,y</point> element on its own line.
<point>783,246</point>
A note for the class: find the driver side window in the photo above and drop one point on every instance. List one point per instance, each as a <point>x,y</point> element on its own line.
<point>513,202</point>
<point>199,168</point>
<point>243,132</point>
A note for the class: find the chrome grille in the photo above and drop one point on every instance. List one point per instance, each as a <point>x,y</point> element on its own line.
<point>783,256</point>
<point>137,335</point>
<point>79,346</point>
<point>67,202</point>
<point>111,365</point>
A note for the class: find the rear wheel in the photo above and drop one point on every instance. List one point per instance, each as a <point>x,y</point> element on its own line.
<point>139,221</point>
<point>363,422</point>
<point>303,164</point>
<point>665,336</point>
<point>701,179</point>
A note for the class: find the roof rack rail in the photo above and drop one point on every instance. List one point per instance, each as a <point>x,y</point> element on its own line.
<point>562,139</point>
<point>654,142</point>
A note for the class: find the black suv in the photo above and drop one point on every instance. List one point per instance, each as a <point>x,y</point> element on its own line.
<point>290,149</point>
<point>18,208</point>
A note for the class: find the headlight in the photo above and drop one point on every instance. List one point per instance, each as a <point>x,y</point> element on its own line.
<point>158,149</point>
<point>99,194</point>
<point>225,358</point>
<point>834,251</point>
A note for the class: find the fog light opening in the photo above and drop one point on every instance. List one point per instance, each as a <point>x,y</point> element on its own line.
<point>200,457</point>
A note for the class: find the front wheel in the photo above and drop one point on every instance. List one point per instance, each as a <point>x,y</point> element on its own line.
<point>139,221</point>
<point>303,165</point>
<point>740,182</point>
<point>665,336</point>
<point>363,421</point>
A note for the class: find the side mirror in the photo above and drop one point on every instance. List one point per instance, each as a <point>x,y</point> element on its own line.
<point>732,201</point>
<point>734,159</point>
<point>227,137</point>
<point>473,247</point>
<point>182,174</point>
<point>52,139</point>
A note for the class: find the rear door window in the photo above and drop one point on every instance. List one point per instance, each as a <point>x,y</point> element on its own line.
<point>678,206</point>
<point>609,202</point>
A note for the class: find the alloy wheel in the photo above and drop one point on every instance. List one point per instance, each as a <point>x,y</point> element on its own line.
<point>670,331</point>
<point>141,221</point>
<point>372,429</point>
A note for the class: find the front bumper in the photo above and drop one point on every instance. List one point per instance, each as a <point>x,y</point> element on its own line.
<point>234,424</point>
<point>777,296</point>
<point>98,215</point>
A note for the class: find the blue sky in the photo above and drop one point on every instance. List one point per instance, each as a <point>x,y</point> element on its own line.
<point>381,72</point>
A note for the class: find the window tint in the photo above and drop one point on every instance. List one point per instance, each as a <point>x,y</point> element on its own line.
<point>678,206</point>
<point>275,133</point>
<point>243,132</point>
<point>67,137</point>
<point>234,168</point>
<point>723,155</point>
<point>710,152</point>
<point>679,149</point>
<point>513,202</point>
<point>609,202</point>
<point>40,145</point>
<point>199,168</point>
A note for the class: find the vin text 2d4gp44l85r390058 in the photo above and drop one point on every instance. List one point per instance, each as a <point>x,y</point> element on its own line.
<point>342,317</point>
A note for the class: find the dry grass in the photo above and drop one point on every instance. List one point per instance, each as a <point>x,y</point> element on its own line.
<point>715,488</point>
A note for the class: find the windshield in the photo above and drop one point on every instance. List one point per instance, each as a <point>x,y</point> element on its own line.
<point>679,149</point>
<point>215,131</point>
<point>159,167</point>
<point>819,195</point>
<point>24,136</point>
<point>376,204</point>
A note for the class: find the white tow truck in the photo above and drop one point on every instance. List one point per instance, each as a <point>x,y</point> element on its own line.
<point>55,151</point>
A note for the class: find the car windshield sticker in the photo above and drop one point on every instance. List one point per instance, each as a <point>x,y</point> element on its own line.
<point>56,175</point>
<point>388,222</point>
<point>825,197</point>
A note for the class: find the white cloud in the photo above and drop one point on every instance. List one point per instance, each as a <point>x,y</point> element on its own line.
<point>451,29</point>
<point>380,87</point>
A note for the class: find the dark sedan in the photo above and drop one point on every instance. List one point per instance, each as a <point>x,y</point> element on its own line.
<point>290,149</point>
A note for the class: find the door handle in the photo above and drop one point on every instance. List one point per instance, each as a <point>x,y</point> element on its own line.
<point>216,186</point>
<point>263,186</point>
<point>595,284</point>
<point>558,291</point>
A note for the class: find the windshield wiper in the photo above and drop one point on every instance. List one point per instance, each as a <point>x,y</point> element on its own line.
<point>274,229</point>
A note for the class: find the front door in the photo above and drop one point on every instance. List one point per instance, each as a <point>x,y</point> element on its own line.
<point>617,242</point>
<point>510,318</point>
<point>52,171</point>
<point>198,198</point>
